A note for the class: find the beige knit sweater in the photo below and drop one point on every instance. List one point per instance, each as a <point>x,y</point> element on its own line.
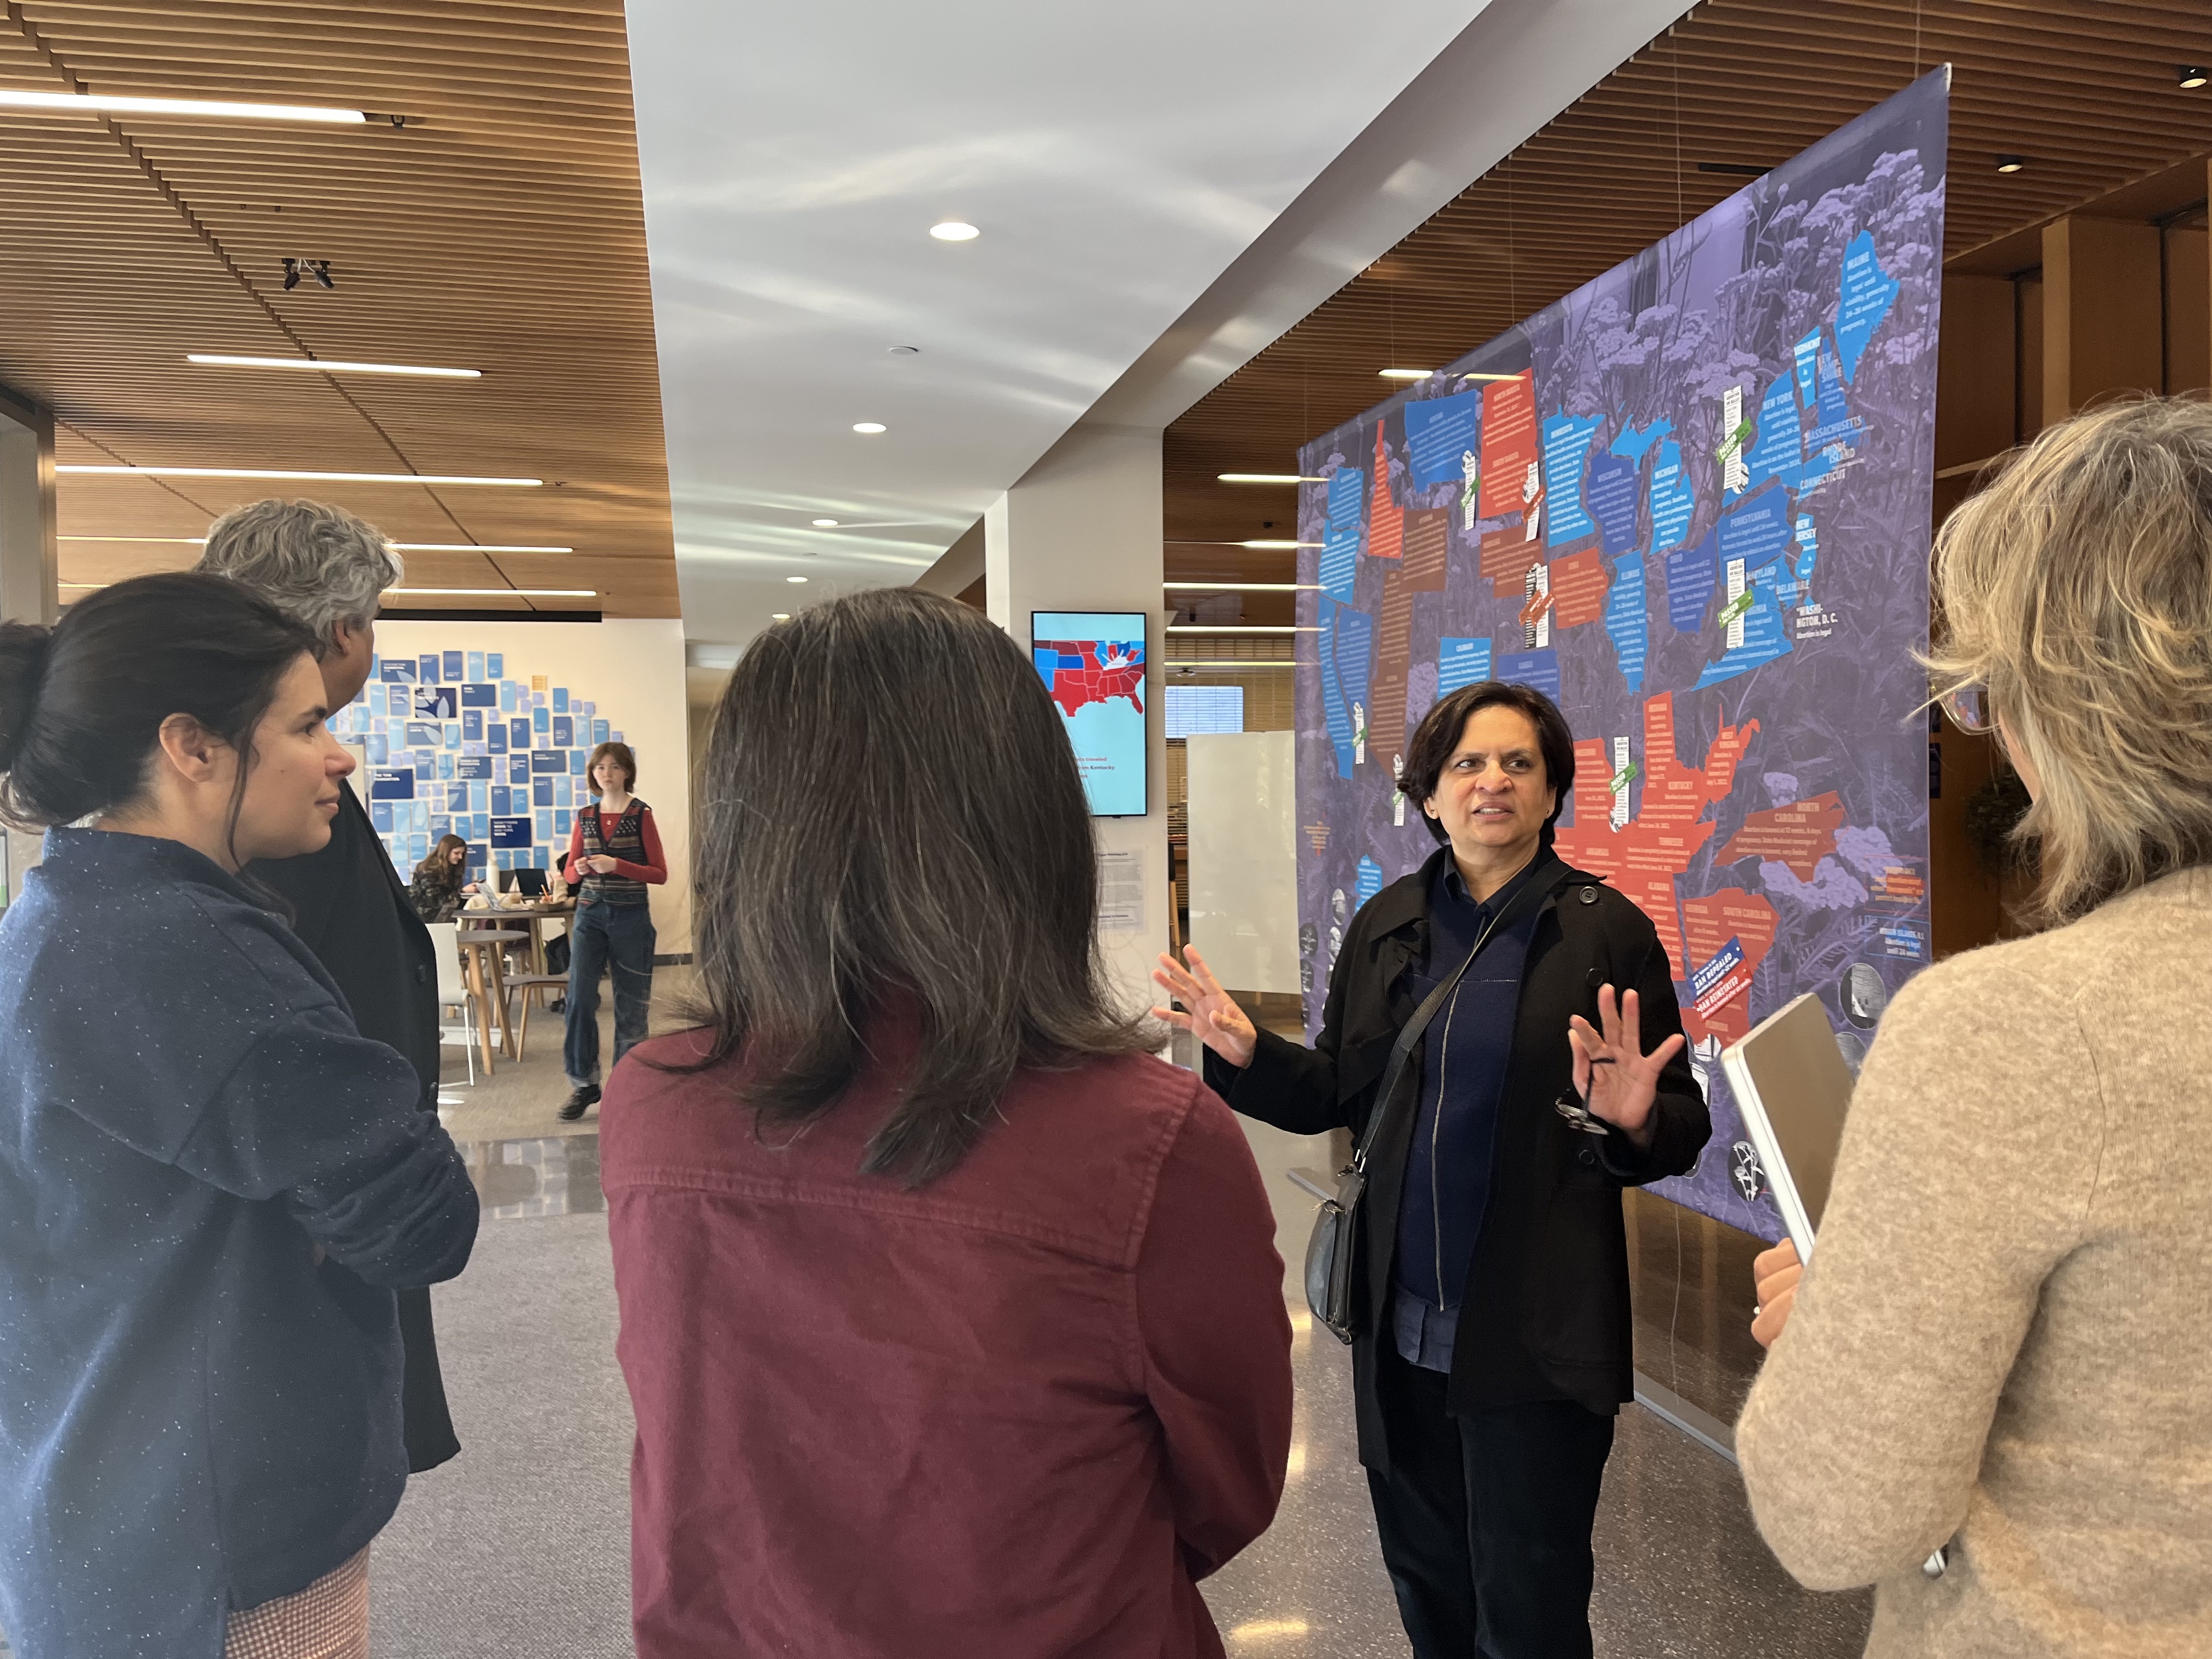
<point>2005,1332</point>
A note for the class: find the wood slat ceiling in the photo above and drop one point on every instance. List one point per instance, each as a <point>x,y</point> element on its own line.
<point>501,228</point>
<point>2087,94</point>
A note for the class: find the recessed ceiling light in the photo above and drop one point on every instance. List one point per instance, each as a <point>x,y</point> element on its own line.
<point>1267,477</point>
<point>905,351</point>
<point>824,523</point>
<point>870,426</point>
<point>779,616</point>
<point>217,109</point>
<point>499,592</point>
<point>955,230</point>
<point>794,579</point>
<point>2010,164</point>
<point>2192,78</point>
<point>298,478</point>
<point>219,360</point>
<point>1405,374</point>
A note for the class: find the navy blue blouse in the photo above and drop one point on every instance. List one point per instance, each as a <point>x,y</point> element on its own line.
<point>210,1184</point>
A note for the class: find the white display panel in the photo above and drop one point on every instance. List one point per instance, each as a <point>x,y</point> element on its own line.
<point>1195,711</point>
<point>1243,859</point>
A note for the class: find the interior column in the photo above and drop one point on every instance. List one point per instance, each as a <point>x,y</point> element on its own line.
<point>29,571</point>
<point>1081,531</point>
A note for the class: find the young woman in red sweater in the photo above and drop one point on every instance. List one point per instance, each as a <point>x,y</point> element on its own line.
<point>614,853</point>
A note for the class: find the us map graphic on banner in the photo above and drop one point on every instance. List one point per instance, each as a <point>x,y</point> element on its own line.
<point>1690,502</point>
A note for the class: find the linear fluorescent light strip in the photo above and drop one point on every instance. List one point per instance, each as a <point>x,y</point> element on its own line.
<point>1242,587</point>
<point>1255,628</point>
<point>111,104</point>
<point>400,547</point>
<point>489,592</point>
<point>328,366</point>
<point>1237,663</point>
<point>297,477</point>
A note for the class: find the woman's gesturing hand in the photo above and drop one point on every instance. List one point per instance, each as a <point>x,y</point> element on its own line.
<point>1612,1071</point>
<point>1221,1025</point>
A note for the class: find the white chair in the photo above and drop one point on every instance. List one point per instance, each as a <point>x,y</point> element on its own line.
<point>454,991</point>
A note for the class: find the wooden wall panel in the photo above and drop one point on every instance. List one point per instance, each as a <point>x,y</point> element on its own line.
<point>2101,308</point>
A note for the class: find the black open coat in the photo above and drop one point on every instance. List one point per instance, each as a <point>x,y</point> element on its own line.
<point>1547,1311</point>
<point>349,909</point>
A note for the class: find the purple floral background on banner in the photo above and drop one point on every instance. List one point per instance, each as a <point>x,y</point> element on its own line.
<point>1718,565</point>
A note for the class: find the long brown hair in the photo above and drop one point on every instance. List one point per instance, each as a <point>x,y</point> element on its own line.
<point>446,874</point>
<point>889,806</point>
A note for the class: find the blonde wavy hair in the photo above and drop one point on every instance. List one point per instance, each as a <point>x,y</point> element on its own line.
<point>2076,591</point>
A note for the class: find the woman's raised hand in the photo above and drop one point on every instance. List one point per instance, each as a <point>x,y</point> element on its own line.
<point>1612,1071</point>
<point>1221,1025</point>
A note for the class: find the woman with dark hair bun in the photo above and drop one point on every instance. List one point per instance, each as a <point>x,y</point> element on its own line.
<point>952,1320</point>
<point>209,1183</point>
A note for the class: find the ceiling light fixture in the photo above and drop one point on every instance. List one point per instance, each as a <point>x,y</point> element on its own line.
<point>824,523</point>
<point>1405,374</point>
<point>779,616</point>
<point>491,592</point>
<point>870,426</point>
<point>1238,663</point>
<point>474,547</point>
<point>1474,374</point>
<point>1242,587</point>
<point>794,579</point>
<point>954,230</point>
<point>298,478</point>
<point>318,269</point>
<point>1267,477</point>
<point>2191,77</point>
<point>219,360</point>
<point>904,351</point>
<point>166,541</point>
<point>2010,164</point>
<point>1275,546</point>
<point>213,108</point>
<point>1238,628</point>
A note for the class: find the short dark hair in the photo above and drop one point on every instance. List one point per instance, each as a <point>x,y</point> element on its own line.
<point>890,812</point>
<point>81,703</point>
<point>1437,737</point>
<point>620,752</point>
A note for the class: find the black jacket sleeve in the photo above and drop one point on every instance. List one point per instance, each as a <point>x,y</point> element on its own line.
<point>1682,1125</point>
<point>1288,1085</point>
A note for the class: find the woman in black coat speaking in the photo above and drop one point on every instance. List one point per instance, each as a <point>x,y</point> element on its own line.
<point>1491,1302</point>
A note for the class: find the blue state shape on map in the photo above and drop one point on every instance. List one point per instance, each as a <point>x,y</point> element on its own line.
<point>1674,502</point>
<point>1764,636</point>
<point>1868,291</point>
<point>1779,442</point>
<point>1347,650</point>
<point>1338,566</point>
<point>1460,662</point>
<point>1631,443</point>
<point>1367,880</point>
<point>1757,531</point>
<point>1439,431</point>
<point>1690,574</point>
<point>1808,550</point>
<point>1347,494</point>
<point>1538,670</point>
<point>1611,496</point>
<point>1808,353</point>
<point>1628,620</point>
<point>1566,443</point>
<point>1832,420</point>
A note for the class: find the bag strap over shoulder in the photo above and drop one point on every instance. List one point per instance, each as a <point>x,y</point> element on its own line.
<point>1538,880</point>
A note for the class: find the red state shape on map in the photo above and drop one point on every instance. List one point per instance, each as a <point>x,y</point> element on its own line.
<point>1386,520</point>
<point>1427,548</point>
<point>1798,836</point>
<point>1709,924</point>
<point>1578,589</point>
<point>1506,556</point>
<point>1095,682</point>
<point>1643,857</point>
<point>1508,443</point>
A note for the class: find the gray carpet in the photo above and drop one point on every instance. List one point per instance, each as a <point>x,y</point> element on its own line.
<point>520,1545</point>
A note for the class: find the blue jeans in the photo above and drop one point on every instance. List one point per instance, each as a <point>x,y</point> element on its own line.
<point>620,935</point>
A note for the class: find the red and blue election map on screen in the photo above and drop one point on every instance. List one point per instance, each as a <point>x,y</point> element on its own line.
<point>1097,683</point>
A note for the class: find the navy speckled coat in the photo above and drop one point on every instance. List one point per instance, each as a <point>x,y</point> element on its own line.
<point>196,1413</point>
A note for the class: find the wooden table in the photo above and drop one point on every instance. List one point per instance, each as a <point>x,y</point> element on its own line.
<point>534,915</point>
<point>487,971</point>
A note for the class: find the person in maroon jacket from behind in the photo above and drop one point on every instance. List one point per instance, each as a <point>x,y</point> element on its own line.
<point>952,1320</point>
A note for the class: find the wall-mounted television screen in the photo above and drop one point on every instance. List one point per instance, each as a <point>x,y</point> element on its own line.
<point>1093,664</point>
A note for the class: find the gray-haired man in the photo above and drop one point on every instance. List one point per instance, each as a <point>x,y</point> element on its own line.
<point>328,568</point>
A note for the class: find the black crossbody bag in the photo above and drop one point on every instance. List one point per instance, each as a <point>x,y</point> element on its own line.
<point>1329,1253</point>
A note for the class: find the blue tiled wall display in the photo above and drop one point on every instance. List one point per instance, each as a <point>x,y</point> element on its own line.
<point>456,748</point>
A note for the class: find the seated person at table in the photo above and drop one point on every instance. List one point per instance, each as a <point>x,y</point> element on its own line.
<point>442,886</point>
